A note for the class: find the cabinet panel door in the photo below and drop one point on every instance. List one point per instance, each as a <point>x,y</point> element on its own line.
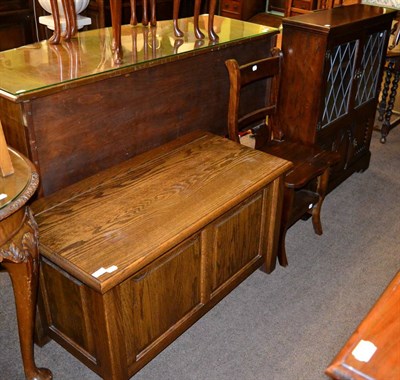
<point>359,135</point>
<point>368,74</point>
<point>340,61</point>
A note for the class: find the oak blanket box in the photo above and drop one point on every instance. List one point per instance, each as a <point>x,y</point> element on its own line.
<point>134,255</point>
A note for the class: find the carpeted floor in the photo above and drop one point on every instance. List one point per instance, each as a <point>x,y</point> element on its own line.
<point>283,326</point>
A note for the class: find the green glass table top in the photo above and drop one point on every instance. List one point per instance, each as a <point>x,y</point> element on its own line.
<point>41,66</point>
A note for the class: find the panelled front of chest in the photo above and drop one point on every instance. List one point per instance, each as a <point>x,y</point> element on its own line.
<point>118,332</point>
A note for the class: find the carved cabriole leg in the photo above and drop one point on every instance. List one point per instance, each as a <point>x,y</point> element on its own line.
<point>177,31</point>
<point>70,19</point>
<point>211,34</point>
<point>198,33</point>
<point>56,37</point>
<point>19,256</point>
<point>67,34</point>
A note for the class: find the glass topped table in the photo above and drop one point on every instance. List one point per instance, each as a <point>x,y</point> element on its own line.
<point>42,65</point>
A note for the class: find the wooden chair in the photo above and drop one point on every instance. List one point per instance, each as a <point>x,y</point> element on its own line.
<point>306,184</point>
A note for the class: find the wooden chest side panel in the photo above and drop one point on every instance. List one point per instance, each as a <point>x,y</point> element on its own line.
<point>68,311</point>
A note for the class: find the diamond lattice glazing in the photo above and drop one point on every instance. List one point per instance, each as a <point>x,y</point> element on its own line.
<point>339,81</point>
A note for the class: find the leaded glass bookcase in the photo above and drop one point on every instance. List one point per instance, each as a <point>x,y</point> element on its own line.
<point>331,75</point>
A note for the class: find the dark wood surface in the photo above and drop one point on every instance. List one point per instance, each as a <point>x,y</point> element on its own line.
<point>277,6</point>
<point>241,9</point>
<point>74,113</point>
<point>381,327</point>
<point>183,224</point>
<point>19,254</point>
<point>16,23</point>
<point>302,103</point>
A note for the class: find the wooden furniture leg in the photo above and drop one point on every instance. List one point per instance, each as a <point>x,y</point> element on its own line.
<point>70,19</point>
<point>198,33</point>
<point>56,37</point>
<point>133,20</point>
<point>175,16</point>
<point>19,256</point>
<point>115,6</point>
<point>211,34</point>
<point>385,92</point>
<point>322,186</point>
<point>288,198</point>
<point>71,26</point>
<point>386,126</point>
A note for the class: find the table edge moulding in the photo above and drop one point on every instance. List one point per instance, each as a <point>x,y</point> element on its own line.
<point>169,232</point>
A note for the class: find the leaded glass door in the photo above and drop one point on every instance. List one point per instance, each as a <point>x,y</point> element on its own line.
<point>371,61</point>
<point>341,65</point>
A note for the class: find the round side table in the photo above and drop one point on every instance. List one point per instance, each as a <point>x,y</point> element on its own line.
<point>19,253</point>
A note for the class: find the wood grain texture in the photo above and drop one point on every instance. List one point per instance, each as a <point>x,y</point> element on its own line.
<point>184,224</point>
<point>128,203</point>
<point>381,327</point>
